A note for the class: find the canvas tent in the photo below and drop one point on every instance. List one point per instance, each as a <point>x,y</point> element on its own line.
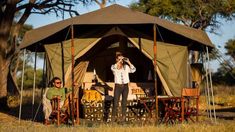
<point>169,57</point>
<point>96,31</point>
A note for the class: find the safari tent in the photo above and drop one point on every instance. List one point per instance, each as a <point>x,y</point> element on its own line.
<point>94,38</point>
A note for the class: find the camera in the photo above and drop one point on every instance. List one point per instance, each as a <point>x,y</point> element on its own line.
<point>125,59</point>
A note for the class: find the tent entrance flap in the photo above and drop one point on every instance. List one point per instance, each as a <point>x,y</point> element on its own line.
<point>171,62</point>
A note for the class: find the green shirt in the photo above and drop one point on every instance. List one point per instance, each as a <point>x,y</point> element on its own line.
<point>53,91</point>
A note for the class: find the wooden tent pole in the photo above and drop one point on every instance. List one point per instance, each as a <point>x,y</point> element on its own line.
<point>155,67</point>
<point>72,72</point>
<point>62,61</point>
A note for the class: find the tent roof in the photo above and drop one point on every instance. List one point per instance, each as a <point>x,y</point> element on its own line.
<point>112,15</point>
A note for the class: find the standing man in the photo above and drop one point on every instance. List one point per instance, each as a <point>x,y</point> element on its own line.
<point>121,70</point>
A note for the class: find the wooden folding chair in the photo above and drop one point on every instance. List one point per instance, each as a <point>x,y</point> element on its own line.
<point>57,115</point>
<point>190,103</point>
<point>146,102</point>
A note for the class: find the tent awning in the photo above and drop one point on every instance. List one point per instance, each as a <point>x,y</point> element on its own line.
<point>114,15</point>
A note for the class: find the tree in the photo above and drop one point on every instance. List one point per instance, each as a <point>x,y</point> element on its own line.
<point>10,27</point>
<point>17,59</point>
<point>199,14</point>
<point>225,75</point>
<point>103,3</point>
<point>28,79</point>
<point>230,47</point>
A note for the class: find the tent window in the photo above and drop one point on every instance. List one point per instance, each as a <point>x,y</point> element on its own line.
<point>130,45</point>
<point>114,45</point>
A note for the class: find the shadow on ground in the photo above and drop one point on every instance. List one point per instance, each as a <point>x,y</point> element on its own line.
<point>27,112</point>
<point>224,113</point>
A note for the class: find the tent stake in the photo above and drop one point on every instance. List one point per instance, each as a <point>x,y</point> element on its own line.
<point>155,67</point>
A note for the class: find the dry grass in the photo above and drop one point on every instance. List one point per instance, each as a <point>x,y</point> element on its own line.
<point>28,96</point>
<point>14,101</point>
<point>224,90</point>
<point>224,98</point>
<point>222,126</point>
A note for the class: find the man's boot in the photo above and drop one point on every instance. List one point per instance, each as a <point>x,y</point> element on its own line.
<point>113,119</point>
<point>123,119</point>
<point>46,122</point>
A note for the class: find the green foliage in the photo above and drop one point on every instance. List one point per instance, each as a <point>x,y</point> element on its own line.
<point>226,73</point>
<point>28,78</point>
<point>201,14</point>
<point>224,76</point>
<point>230,47</point>
<point>23,30</point>
<point>194,13</point>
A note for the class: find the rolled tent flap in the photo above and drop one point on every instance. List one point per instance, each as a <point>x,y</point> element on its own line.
<point>79,73</point>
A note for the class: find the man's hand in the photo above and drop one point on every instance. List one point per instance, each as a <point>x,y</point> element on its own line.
<point>68,95</point>
<point>128,61</point>
<point>75,84</point>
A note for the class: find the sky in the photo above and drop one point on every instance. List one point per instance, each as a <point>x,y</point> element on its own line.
<point>225,32</point>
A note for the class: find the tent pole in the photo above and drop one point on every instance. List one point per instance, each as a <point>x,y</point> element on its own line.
<point>22,86</point>
<point>205,82</point>
<point>43,86</point>
<point>34,80</point>
<point>72,72</point>
<point>155,67</point>
<point>211,86</point>
<point>207,88</point>
<point>62,60</point>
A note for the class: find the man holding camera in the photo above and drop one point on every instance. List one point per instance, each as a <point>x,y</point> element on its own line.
<point>121,70</point>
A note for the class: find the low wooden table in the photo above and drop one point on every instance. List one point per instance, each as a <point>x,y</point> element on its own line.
<point>171,108</point>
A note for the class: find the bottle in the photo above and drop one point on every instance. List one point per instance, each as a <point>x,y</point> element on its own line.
<point>95,80</point>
